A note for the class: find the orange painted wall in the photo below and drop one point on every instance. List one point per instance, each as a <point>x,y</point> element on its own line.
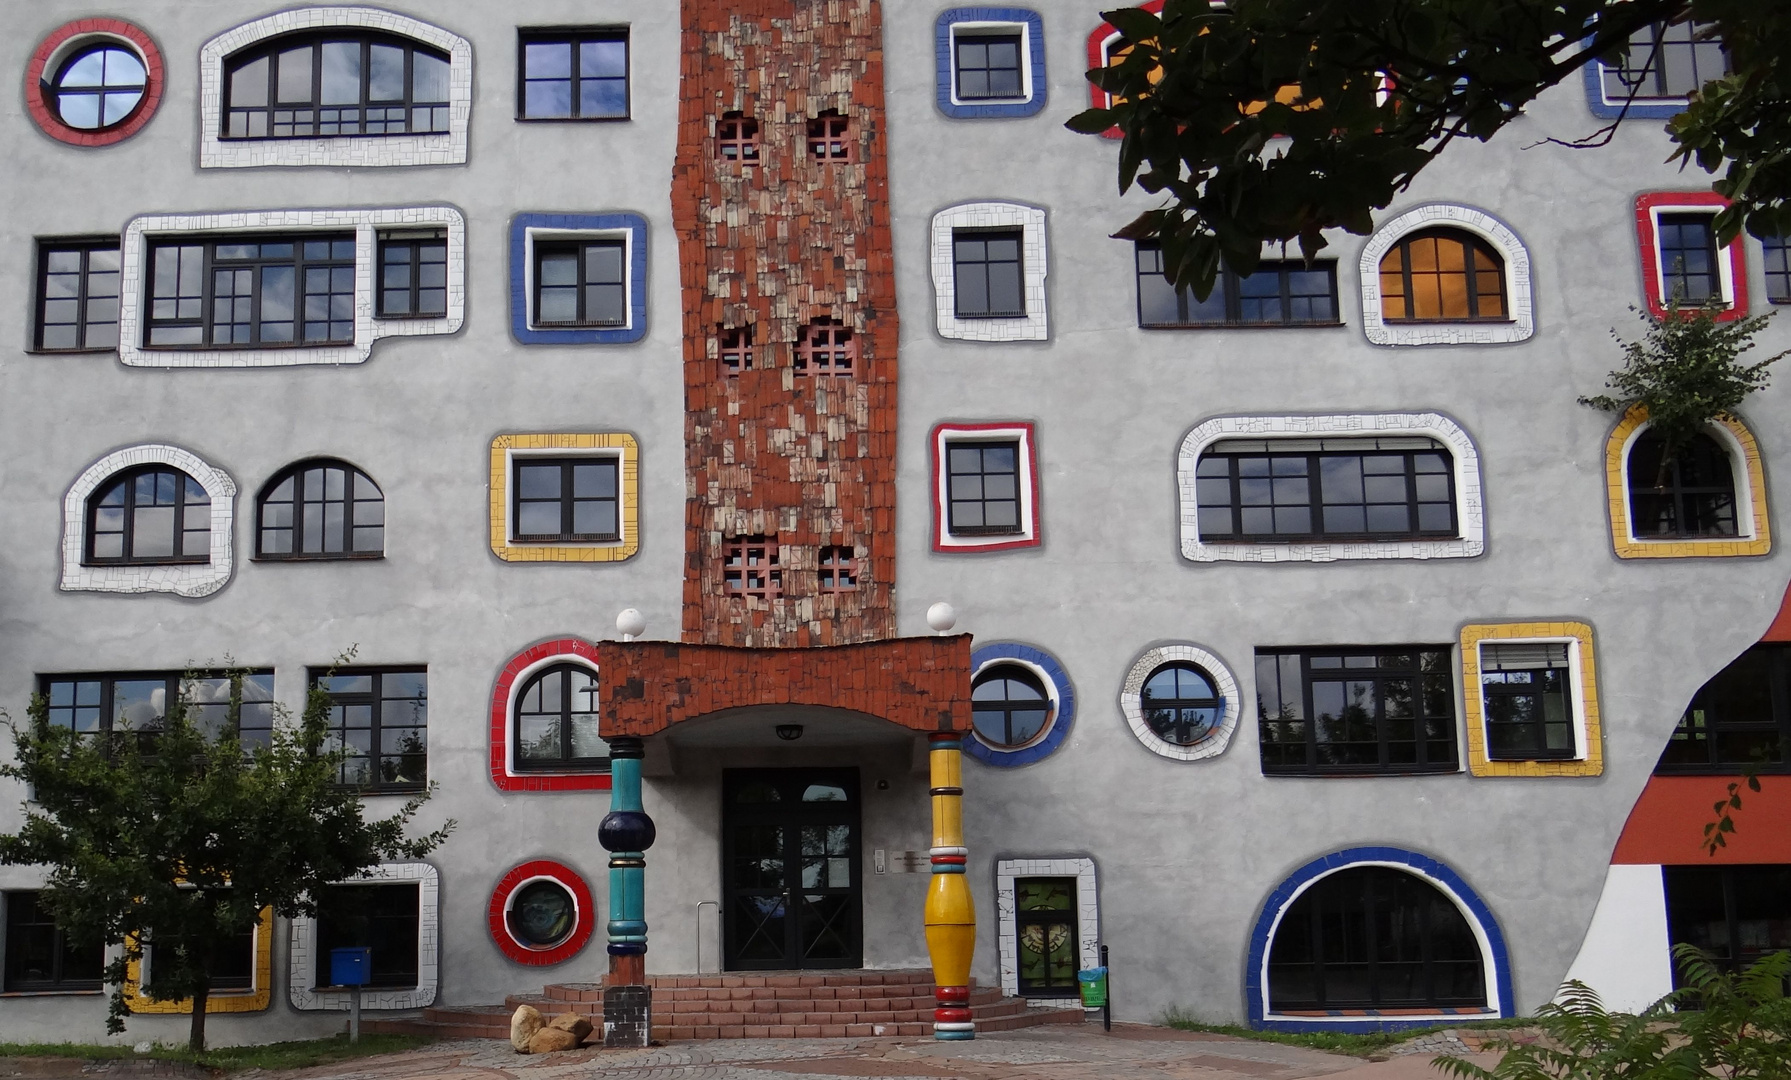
<point>1667,824</point>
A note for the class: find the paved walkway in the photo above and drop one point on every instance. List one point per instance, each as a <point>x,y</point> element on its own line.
<point>1053,1052</point>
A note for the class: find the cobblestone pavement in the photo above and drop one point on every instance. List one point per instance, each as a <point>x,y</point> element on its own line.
<point>1130,1052</point>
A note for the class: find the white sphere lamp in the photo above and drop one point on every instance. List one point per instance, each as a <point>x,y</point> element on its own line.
<point>942,617</point>
<point>630,623</point>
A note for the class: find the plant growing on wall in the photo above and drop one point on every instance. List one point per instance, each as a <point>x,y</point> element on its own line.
<point>170,837</point>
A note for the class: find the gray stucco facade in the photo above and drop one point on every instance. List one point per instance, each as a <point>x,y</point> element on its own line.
<point>1187,852</point>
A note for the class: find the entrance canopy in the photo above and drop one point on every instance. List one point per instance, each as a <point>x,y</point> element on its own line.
<point>922,684</point>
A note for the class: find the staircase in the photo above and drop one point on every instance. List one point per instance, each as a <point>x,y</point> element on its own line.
<point>769,1005</point>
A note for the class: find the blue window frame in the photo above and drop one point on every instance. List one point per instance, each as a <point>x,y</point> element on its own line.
<point>537,236</point>
<point>990,62</point>
<point>1661,65</point>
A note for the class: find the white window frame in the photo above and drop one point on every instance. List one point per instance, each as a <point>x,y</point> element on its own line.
<point>1520,327</point>
<point>302,967</point>
<point>1131,701</point>
<point>1469,509</point>
<point>1576,699</point>
<point>367,226</point>
<point>618,454</point>
<point>995,26</point>
<point>519,683</point>
<point>1746,520</point>
<point>1725,253</point>
<point>1088,920</point>
<point>181,579</point>
<point>531,234</point>
<point>436,148</point>
<point>1030,220</point>
<point>1028,536</point>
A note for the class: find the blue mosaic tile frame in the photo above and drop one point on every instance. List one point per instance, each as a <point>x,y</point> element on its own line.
<point>634,224</point>
<point>945,70</point>
<point>1642,109</point>
<point>1060,724</point>
<point>1256,1000</point>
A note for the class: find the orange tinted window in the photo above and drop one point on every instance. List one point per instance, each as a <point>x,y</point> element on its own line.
<point>1442,275</point>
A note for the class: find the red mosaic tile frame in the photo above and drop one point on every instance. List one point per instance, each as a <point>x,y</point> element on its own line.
<point>46,117</point>
<point>538,870</point>
<point>1732,254</point>
<point>1032,532</point>
<point>502,694</point>
<point>1097,57</point>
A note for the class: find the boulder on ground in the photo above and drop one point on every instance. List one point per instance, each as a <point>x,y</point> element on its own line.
<point>523,1025</point>
<point>573,1022</point>
<point>549,1039</point>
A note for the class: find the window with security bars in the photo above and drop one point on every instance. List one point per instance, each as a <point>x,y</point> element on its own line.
<point>252,292</point>
<point>830,138</point>
<point>1740,720</point>
<point>41,957</point>
<point>324,509</point>
<point>413,275</point>
<point>1390,488</point>
<point>1047,949</point>
<point>734,348</point>
<point>1689,271</point>
<point>379,719</point>
<point>1666,60</point>
<point>1388,709</point>
<point>737,138</point>
<point>1277,294</point>
<point>1442,275</point>
<point>581,283</point>
<point>1778,268</point>
<point>1527,694</point>
<point>826,347</point>
<point>983,488</point>
<point>106,704</point>
<point>750,567</point>
<point>573,75</point>
<point>838,569</point>
<point>986,273</point>
<point>1691,494</point>
<point>152,514</point>
<point>576,499</point>
<point>77,295</point>
<point>307,86</point>
<point>989,66</point>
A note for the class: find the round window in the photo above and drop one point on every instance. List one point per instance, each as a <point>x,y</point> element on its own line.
<point>1180,704</point>
<point>543,913</point>
<point>1009,706</point>
<point>98,87</point>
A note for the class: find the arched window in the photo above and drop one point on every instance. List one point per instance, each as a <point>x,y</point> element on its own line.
<point>99,87</point>
<point>555,721</point>
<point>1373,937</point>
<point>154,514</point>
<point>322,509</point>
<point>1442,275</point>
<point>1691,494</point>
<point>342,82</point>
<point>1009,706</point>
<point>1180,703</point>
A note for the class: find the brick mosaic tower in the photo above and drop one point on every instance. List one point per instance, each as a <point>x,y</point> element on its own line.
<point>780,197</point>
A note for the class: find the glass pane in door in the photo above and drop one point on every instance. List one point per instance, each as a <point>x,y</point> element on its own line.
<point>825,918</point>
<point>759,915</point>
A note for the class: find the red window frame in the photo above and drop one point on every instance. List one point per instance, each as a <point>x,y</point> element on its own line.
<point>514,676</point>
<point>1032,530</point>
<point>1648,206</point>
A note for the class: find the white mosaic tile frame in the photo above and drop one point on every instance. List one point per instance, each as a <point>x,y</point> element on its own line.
<point>1032,326</point>
<point>302,968</point>
<point>1088,920</point>
<point>1131,702</point>
<point>368,327</point>
<point>436,148</point>
<point>1470,512</point>
<point>182,579</point>
<point>1482,224</point>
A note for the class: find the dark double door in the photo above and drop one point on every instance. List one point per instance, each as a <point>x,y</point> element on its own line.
<point>790,869</point>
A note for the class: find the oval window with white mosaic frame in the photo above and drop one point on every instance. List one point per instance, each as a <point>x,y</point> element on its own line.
<point>1182,702</point>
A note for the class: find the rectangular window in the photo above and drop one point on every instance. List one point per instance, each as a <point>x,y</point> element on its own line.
<point>573,75</point>
<point>1666,61</point>
<point>1351,488</point>
<point>1740,719</point>
<point>830,138</point>
<point>413,275</point>
<point>581,283</point>
<point>1778,269</point>
<point>380,717</point>
<point>1688,258</point>
<point>749,567</point>
<point>566,499</point>
<point>986,273</point>
<point>39,956</point>
<point>97,705</point>
<point>1733,914</point>
<point>825,348</point>
<point>1045,919</point>
<point>1526,687</point>
<point>839,570</point>
<point>233,964</point>
<point>988,66</point>
<point>382,918</point>
<point>735,349</point>
<point>1350,711</point>
<point>248,292</point>
<point>77,295</point>
<point>737,138</point>
<point>1277,294</point>
<point>983,488</point>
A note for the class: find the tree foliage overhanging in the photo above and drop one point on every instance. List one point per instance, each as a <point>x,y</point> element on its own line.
<point>172,837</point>
<point>1266,121</point>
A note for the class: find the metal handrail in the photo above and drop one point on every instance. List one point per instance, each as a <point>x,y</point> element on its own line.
<point>716,904</point>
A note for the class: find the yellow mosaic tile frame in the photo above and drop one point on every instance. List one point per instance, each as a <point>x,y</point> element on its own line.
<point>1623,539</point>
<point>254,1000</point>
<point>624,446</point>
<point>1478,763</point>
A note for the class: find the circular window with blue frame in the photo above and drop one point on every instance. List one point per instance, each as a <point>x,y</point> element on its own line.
<point>1021,702</point>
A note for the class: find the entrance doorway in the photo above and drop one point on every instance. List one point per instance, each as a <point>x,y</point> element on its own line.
<point>790,873</point>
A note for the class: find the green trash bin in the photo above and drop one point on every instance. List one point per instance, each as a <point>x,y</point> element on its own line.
<point>1093,984</point>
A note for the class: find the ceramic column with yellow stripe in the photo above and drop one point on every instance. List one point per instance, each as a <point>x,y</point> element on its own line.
<point>951,916</point>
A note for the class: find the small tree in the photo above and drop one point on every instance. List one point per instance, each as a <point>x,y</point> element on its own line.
<point>173,838</point>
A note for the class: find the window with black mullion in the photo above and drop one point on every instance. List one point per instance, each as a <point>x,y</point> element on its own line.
<point>1740,719</point>
<point>580,283</point>
<point>1277,294</point>
<point>573,75</point>
<point>40,956</point>
<point>983,488</point>
<point>1733,914</point>
<point>307,87</point>
<point>1528,701</point>
<point>252,292</point>
<point>77,291</point>
<point>986,274</point>
<point>379,718</point>
<point>413,275</point>
<point>555,721</point>
<point>1385,490</point>
<point>566,499</point>
<point>989,67</point>
<point>1688,258</point>
<point>1334,711</point>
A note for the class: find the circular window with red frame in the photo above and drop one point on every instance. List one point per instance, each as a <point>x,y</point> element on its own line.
<point>94,82</point>
<point>542,913</point>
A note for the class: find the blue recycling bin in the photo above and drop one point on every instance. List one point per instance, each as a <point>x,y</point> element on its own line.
<point>349,967</point>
